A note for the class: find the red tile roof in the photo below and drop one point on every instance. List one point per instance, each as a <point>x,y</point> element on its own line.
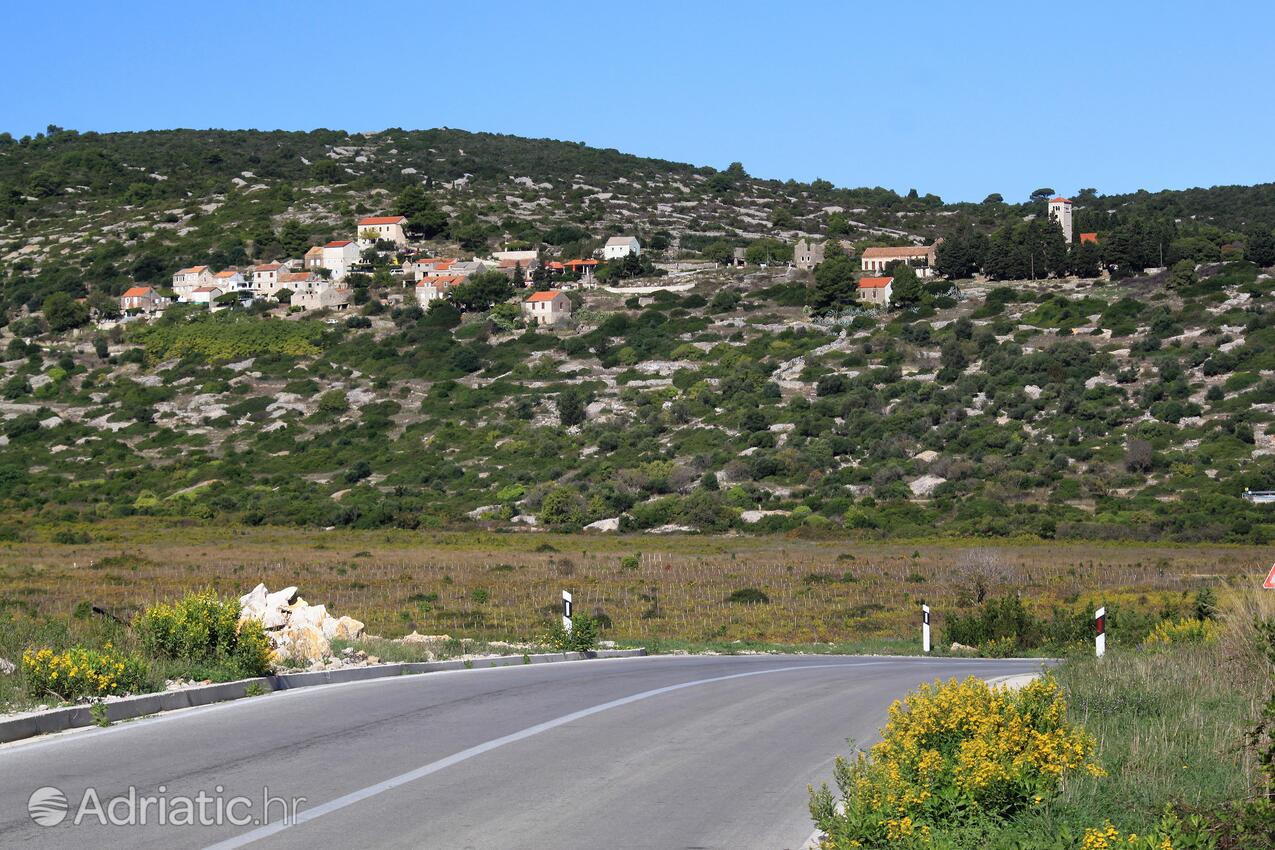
<point>337,243</point>
<point>442,281</point>
<point>267,267</point>
<point>1060,201</point>
<point>192,270</point>
<point>877,253</point>
<point>874,282</point>
<point>574,263</point>
<point>208,289</point>
<point>547,295</point>
<point>137,291</point>
<point>383,219</point>
<point>1089,237</point>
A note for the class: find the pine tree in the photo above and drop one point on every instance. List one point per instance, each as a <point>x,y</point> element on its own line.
<point>906,290</point>
<point>835,285</point>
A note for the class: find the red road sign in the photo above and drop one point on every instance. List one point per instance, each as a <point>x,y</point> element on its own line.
<point>1269,584</point>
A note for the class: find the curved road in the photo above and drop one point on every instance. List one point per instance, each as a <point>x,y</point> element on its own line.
<point>660,752</point>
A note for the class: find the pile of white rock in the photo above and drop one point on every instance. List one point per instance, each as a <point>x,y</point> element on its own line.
<point>297,630</point>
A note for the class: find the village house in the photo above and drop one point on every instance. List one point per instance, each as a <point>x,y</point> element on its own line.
<point>142,299</point>
<point>739,257</point>
<point>295,281</point>
<point>524,257</point>
<point>384,228</point>
<point>433,288</point>
<point>416,268</point>
<point>229,280</point>
<point>807,254</point>
<point>547,308</point>
<point>318,294</point>
<point>919,257</point>
<point>339,256</point>
<point>204,295</point>
<point>1089,238</point>
<point>445,268</point>
<point>186,281</point>
<point>265,279</point>
<point>509,268</point>
<point>313,258</point>
<point>876,290</point>
<point>619,247</point>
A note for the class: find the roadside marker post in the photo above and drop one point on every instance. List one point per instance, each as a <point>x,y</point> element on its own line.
<point>1269,584</point>
<point>925,628</point>
<point>566,610</point>
<point>1100,631</point>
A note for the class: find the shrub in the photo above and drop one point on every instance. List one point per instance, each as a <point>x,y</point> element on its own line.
<point>954,753</point>
<point>748,596</point>
<point>998,619</point>
<point>582,637</point>
<point>203,630</point>
<point>80,672</point>
<point>1186,630</point>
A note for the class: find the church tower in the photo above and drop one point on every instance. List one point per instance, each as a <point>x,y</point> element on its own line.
<point>1060,211</point>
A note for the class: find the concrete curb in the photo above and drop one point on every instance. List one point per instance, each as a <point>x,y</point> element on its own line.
<point>77,716</point>
<point>1013,681</point>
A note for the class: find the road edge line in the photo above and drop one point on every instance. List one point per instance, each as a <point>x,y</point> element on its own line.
<point>65,718</point>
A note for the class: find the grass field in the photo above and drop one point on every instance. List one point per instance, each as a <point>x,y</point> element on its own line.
<point>675,588</point>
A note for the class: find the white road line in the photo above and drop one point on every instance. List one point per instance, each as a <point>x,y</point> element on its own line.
<point>464,755</point>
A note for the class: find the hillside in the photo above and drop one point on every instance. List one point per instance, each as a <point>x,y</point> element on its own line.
<point>79,211</point>
<point>1111,404</point>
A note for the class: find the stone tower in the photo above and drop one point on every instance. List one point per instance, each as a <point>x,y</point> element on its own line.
<point>1060,211</point>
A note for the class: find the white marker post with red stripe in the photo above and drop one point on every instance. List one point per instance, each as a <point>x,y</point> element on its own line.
<point>925,628</point>
<point>1100,631</point>
<point>566,611</point>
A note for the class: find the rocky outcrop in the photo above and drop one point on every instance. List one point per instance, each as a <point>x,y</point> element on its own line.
<point>298,630</point>
<point>6,667</point>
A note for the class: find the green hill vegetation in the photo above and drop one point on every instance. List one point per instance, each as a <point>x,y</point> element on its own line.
<point>1098,401</point>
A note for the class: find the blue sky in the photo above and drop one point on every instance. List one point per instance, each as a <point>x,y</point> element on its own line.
<point>959,99</point>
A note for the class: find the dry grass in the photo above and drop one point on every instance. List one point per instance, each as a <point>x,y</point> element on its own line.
<point>396,581</point>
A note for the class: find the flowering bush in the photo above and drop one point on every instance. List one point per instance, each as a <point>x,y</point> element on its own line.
<point>79,672</point>
<point>1187,630</point>
<point>203,629</point>
<point>1171,833</point>
<point>954,753</point>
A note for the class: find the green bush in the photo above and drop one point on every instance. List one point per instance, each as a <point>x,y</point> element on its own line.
<point>748,596</point>
<point>79,672</point>
<point>582,637</point>
<point>204,632</point>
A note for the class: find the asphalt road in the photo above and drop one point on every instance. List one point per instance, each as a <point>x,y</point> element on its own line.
<point>661,752</point>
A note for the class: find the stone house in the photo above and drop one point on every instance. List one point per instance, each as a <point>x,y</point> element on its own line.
<point>920,257</point>
<point>142,299</point>
<point>547,308</point>
<point>432,288</point>
<point>204,295</point>
<point>318,294</point>
<point>807,254</point>
<point>388,228</point>
<point>619,247</point>
<point>313,258</point>
<point>339,256</point>
<point>876,291</point>
<point>186,281</point>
